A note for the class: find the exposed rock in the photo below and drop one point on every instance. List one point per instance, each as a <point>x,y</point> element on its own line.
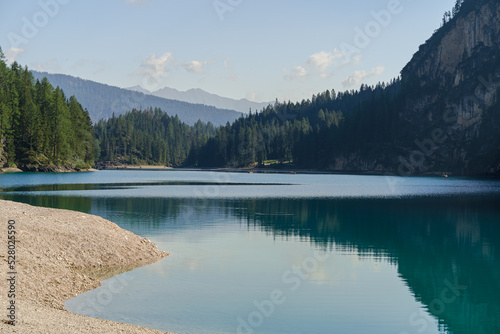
<point>451,115</point>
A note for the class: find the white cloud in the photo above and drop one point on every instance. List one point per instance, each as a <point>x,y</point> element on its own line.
<point>322,64</point>
<point>356,59</point>
<point>154,66</point>
<point>251,96</point>
<point>323,60</point>
<point>154,69</point>
<point>51,66</point>
<point>358,76</point>
<point>298,72</point>
<point>352,60</point>
<point>195,66</point>
<point>12,54</point>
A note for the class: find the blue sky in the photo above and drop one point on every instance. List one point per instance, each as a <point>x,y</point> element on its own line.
<point>261,50</point>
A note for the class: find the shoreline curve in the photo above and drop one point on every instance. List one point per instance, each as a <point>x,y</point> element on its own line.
<point>61,254</point>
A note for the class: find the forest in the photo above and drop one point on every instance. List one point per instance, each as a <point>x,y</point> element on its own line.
<point>150,137</point>
<point>103,101</point>
<point>308,134</point>
<point>40,128</point>
<point>385,128</point>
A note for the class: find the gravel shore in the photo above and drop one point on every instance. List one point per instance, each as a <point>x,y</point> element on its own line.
<point>61,254</point>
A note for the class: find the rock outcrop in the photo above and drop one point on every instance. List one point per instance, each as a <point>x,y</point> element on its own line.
<point>450,120</point>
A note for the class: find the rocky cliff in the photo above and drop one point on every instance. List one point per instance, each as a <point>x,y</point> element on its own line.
<point>450,115</point>
<point>476,26</point>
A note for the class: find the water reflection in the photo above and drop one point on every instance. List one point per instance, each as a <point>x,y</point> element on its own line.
<point>445,249</point>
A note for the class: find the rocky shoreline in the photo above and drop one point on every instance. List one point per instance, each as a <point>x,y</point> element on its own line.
<point>58,255</point>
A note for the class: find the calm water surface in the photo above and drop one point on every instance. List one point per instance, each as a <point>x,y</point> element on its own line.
<point>279,253</point>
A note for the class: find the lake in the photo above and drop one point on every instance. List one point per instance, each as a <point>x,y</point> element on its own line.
<point>291,253</point>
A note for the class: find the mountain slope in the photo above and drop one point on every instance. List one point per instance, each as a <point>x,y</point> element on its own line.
<point>199,96</point>
<point>102,101</point>
<point>450,92</point>
<point>442,116</point>
<point>140,90</point>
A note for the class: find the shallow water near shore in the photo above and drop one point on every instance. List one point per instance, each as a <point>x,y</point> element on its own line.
<point>268,253</point>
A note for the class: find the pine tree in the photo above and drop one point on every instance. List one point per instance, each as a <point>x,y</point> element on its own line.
<point>39,128</point>
<point>29,130</point>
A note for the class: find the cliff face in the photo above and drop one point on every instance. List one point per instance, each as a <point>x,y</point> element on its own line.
<point>450,119</point>
<point>477,26</point>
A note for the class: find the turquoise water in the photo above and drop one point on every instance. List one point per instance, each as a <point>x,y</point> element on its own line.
<point>281,253</point>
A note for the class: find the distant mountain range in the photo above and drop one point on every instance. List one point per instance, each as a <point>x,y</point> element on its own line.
<point>102,101</point>
<point>199,96</point>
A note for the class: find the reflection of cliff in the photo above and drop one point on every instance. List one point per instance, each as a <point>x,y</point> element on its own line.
<point>439,246</point>
<point>436,242</point>
<point>462,255</point>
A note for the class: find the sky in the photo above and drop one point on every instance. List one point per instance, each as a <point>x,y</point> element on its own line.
<point>261,50</point>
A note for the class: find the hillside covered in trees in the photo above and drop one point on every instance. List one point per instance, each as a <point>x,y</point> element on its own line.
<point>149,137</point>
<point>441,115</point>
<point>40,128</point>
<point>305,133</point>
<point>104,101</point>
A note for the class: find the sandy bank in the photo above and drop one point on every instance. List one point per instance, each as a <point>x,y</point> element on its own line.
<point>10,170</point>
<point>60,254</point>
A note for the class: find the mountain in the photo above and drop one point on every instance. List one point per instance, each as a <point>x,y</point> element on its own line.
<point>450,94</point>
<point>200,96</point>
<point>445,116</point>
<point>102,101</point>
<point>442,116</point>
<point>140,90</point>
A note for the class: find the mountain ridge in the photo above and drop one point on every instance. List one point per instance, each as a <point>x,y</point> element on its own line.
<point>200,96</point>
<point>441,117</point>
<point>452,86</point>
<point>102,101</point>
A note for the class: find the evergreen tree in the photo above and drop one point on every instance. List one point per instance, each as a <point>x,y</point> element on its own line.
<point>39,128</point>
<point>150,137</point>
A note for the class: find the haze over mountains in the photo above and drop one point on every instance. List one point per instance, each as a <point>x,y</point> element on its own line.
<point>441,116</point>
<point>102,101</point>
<point>199,96</point>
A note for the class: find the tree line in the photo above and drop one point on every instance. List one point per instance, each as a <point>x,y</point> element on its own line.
<point>40,128</point>
<point>102,101</point>
<point>361,127</point>
<point>309,134</point>
<point>357,129</point>
<point>149,137</point>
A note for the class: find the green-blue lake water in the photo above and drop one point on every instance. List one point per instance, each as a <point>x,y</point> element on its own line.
<point>283,253</point>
